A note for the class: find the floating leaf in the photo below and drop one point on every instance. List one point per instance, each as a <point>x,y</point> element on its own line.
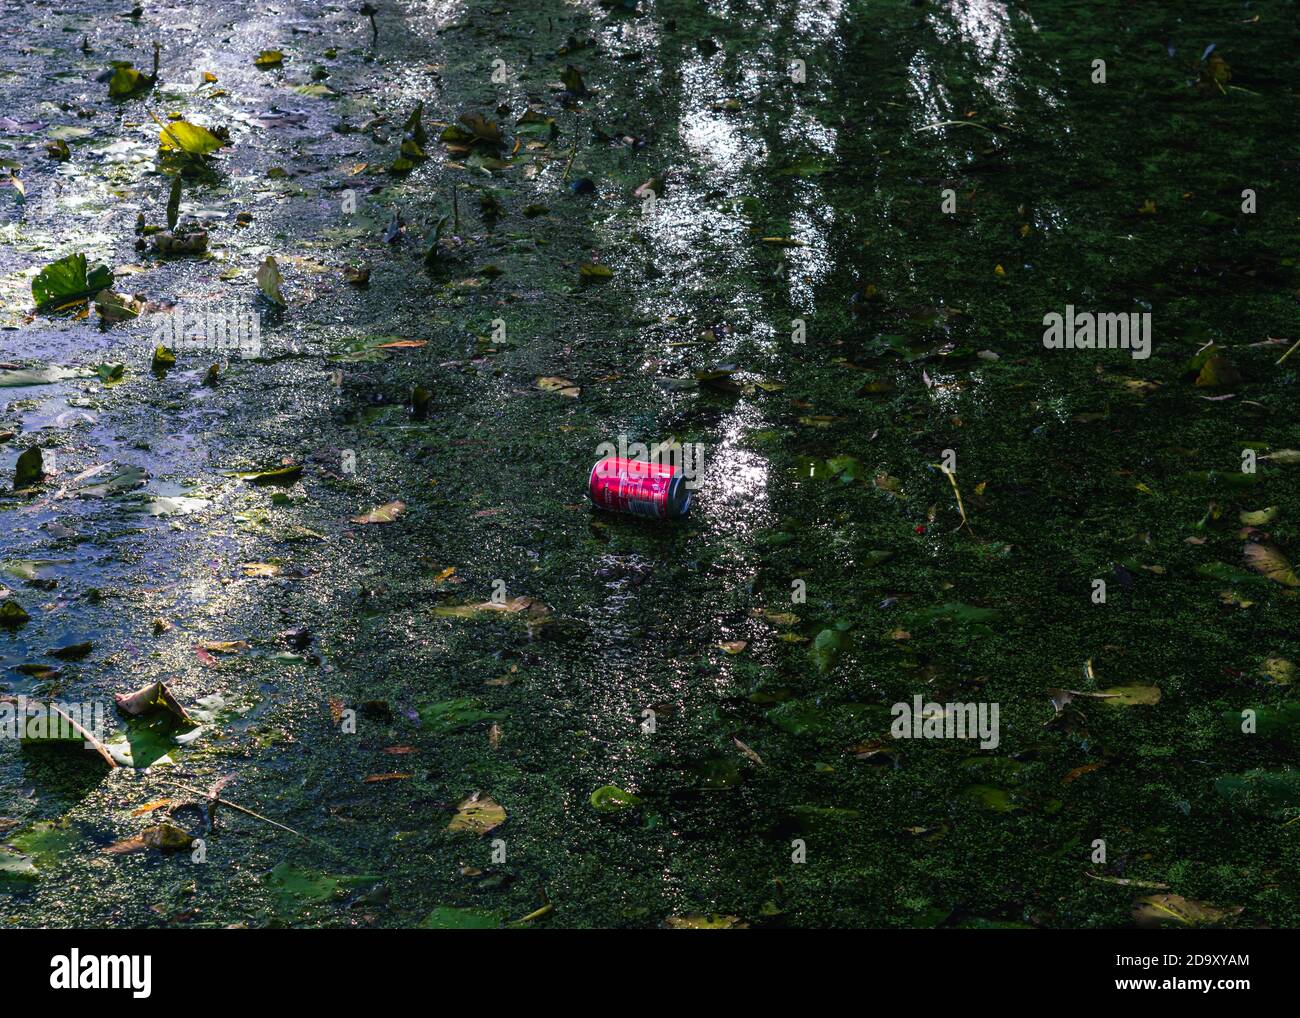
<point>127,81</point>
<point>12,614</point>
<point>449,716</point>
<point>991,797</point>
<point>827,647</point>
<point>276,475</point>
<point>151,697</point>
<point>298,887</point>
<point>182,136</point>
<point>536,125</point>
<point>559,386</point>
<point>269,281</point>
<point>1129,696</point>
<point>478,814</point>
<point>30,468</point>
<point>68,281</point>
<point>1268,561</point>
<point>117,307</point>
<point>1175,910</point>
<point>530,607</point>
<point>387,513</point>
<point>269,58</point>
<point>612,799</point>
<point>1260,517</point>
<point>572,81</point>
<point>1267,793</point>
<point>1278,670</point>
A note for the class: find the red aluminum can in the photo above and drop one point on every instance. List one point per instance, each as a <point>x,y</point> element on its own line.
<point>639,488</point>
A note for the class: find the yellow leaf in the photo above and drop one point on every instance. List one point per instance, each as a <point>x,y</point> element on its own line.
<point>478,814</point>
<point>1268,561</point>
<point>559,386</point>
<point>189,138</point>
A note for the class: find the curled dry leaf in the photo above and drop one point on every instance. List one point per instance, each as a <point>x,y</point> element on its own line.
<point>147,699</point>
<point>165,837</point>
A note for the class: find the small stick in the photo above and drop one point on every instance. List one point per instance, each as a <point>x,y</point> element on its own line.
<point>237,808</point>
<point>370,12</point>
<point>1288,353</point>
<point>573,151</point>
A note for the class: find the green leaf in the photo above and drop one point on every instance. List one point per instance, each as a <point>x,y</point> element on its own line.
<point>127,81</point>
<point>12,614</point>
<point>110,374</point>
<point>296,887</point>
<point>67,281</point>
<point>798,717</point>
<point>536,125</point>
<point>612,799</point>
<point>450,716</point>
<point>1267,793</point>
<point>827,647</point>
<point>30,468</point>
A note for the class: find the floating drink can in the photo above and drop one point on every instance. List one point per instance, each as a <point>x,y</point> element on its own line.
<point>639,488</point>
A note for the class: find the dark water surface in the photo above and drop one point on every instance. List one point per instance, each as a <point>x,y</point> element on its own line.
<point>778,202</point>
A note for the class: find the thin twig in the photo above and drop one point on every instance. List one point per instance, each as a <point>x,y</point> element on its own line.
<point>1289,352</point>
<point>236,807</point>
